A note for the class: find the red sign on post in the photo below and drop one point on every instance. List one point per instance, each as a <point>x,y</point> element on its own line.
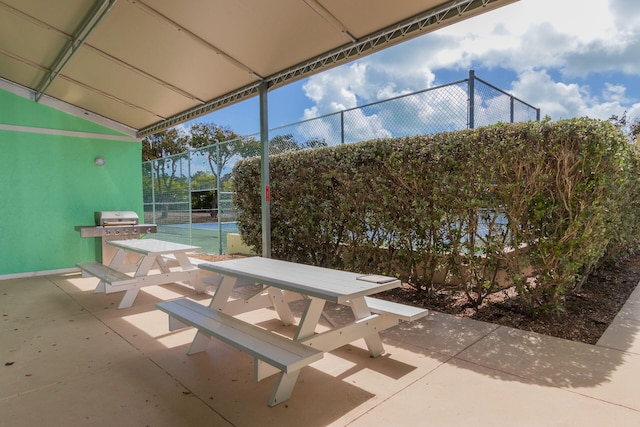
<point>267,194</point>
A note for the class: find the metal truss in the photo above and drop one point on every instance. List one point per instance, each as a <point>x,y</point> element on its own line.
<point>452,11</point>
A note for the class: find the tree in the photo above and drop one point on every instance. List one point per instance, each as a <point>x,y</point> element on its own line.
<point>315,143</point>
<point>283,143</point>
<point>164,144</point>
<point>220,144</point>
<point>167,148</point>
<point>631,128</point>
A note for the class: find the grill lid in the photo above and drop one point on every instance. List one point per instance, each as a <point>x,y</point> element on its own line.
<point>105,218</point>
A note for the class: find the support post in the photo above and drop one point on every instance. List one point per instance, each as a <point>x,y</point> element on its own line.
<point>265,184</point>
<point>218,211</point>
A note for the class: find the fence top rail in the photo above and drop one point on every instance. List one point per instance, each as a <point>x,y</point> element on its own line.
<point>506,93</point>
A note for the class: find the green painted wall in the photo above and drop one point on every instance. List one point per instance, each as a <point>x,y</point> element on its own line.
<point>49,184</point>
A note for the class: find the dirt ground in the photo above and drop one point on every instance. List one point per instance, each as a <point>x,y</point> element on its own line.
<point>589,312</point>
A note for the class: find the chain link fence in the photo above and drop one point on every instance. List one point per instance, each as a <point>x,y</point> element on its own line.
<point>189,195</point>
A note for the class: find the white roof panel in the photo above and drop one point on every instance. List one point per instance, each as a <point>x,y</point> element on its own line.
<point>151,64</point>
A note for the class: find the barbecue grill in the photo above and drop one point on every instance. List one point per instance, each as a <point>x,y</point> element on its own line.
<point>115,225</point>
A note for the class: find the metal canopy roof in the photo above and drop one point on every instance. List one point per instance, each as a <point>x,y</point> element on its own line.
<point>152,64</point>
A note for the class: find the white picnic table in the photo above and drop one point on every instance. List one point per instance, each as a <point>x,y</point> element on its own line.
<point>160,263</point>
<point>317,286</point>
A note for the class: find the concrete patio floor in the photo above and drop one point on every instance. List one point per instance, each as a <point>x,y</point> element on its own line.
<point>71,358</point>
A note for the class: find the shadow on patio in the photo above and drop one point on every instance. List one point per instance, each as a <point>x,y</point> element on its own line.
<point>77,359</point>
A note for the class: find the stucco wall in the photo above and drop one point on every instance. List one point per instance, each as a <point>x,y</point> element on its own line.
<point>49,184</point>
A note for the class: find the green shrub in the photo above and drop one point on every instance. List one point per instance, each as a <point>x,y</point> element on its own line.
<point>534,205</point>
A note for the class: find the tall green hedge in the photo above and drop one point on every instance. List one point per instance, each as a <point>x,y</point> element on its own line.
<point>534,205</point>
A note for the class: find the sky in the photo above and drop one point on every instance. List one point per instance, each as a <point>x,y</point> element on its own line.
<point>570,58</point>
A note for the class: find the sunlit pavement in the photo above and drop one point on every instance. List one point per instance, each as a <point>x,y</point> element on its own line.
<point>71,358</point>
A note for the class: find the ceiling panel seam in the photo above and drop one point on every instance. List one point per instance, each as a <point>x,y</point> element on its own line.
<point>111,97</point>
<point>156,14</point>
<point>329,17</point>
<point>23,60</point>
<point>144,74</point>
<point>92,48</point>
<point>93,20</point>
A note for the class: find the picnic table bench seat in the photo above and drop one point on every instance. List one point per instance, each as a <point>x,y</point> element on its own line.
<point>284,354</point>
<point>106,274</point>
<point>401,311</point>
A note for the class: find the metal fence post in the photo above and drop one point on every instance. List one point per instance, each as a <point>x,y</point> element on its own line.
<point>342,126</point>
<point>153,192</point>
<point>472,100</point>
<point>218,188</point>
<point>189,189</point>
<point>512,116</point>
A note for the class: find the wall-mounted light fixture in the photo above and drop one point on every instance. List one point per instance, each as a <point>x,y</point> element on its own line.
<point>99,161</point>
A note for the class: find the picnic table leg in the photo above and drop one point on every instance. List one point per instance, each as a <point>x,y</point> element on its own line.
<point>283,388</point>
<point>145,266</point>
<point>195,281</point>
<point>276,296</point>
<point>223,292</point>
<point>117,262</point>
<point>309,319</point>
<point>374,343</point>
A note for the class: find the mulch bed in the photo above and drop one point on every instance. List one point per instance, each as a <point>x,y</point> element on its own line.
<point>588,312</point>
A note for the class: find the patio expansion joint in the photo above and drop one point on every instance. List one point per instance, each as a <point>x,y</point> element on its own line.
<point>31,390</point>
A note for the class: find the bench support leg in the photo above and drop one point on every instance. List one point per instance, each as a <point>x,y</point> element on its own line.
<point>175,324</point>
<point>101,288</point>
<point>199,344</point>
<point>262,370</point>
<point>128,298</point>
<point>283,388</point>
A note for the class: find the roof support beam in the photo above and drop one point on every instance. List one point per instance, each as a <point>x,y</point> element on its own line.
<point>96,16</point>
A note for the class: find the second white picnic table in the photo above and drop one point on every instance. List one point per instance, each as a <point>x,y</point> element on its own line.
<point>153,252</point>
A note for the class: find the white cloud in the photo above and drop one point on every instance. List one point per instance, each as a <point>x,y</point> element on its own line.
<point>626,13</point>
<point>615,93</point>
<point>556,99</point>
<point>565,54</point>
<point>566,100</point>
